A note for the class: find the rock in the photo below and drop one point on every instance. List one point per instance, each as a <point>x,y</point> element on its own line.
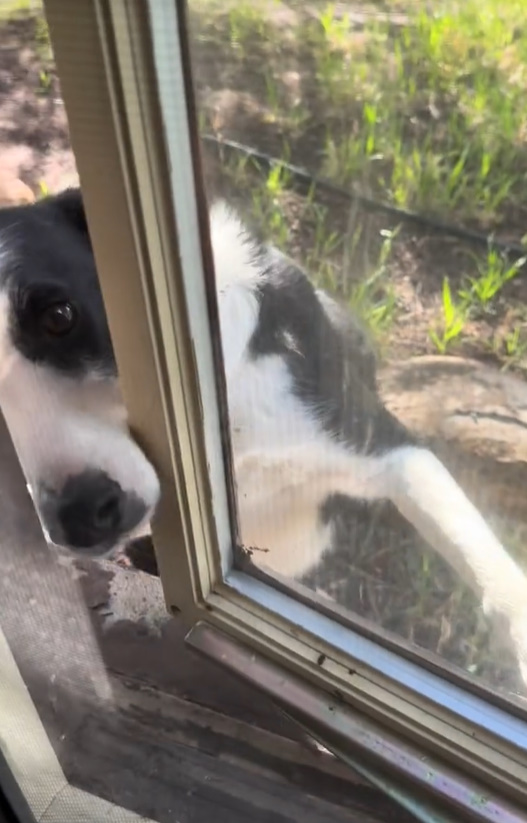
<point>480,407</point>
<point>13,191</point>
<point>475,419</point>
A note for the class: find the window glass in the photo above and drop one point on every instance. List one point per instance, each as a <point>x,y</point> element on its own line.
<point>375,351</point>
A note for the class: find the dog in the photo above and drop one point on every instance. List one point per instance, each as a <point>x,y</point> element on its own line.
<point>305,416</point>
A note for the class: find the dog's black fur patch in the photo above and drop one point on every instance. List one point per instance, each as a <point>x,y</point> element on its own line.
<point>49,260</point>
<point>333,370</point>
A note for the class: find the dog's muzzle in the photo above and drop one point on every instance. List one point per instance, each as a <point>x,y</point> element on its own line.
<point>91,513</point>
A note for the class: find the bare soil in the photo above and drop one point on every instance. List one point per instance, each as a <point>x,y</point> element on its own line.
<point>34,141</point>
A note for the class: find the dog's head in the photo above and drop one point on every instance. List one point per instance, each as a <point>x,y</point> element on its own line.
<point>92,485</point>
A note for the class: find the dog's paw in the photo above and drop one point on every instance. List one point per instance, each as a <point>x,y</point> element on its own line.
<point>141,555</point>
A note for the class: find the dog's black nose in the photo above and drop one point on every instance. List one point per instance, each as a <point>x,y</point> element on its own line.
<point>94,512</point>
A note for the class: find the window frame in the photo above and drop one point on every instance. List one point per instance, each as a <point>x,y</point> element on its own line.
<point>157,285</point>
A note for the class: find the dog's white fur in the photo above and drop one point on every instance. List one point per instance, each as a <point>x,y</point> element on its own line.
<point>286,464</point>
<point>60,426</point>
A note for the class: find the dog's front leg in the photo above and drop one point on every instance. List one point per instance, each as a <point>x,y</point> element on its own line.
<point>429,497</point>
<point>271,486</point>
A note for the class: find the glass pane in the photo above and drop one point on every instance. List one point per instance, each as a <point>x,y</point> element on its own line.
<point>379,149</point>
<point>104,714</point>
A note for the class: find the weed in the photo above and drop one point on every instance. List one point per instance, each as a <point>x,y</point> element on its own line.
<point>267,207</point>
<point>13,8</point>
<point>272,96</point>
<point>322,260</point>
<point>453,319</point>
<point>44,78</point>
<point>373,298</point>
<point>43,190</point>
<point>493,273</point>
<point>511,347</point>
<point>332,56</point>
<point>513,343</point>
<point>247,24</point>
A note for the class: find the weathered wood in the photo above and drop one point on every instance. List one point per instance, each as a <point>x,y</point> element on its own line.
<point>172,761</point>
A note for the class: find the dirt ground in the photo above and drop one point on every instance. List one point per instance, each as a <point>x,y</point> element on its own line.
<point>34,141</point>
<point>380,568</point>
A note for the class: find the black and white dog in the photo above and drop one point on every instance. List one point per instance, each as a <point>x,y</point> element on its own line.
<point>306,419</point>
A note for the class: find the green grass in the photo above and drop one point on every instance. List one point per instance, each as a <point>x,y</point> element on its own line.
<point>492,275</point>
<point>373,297</point>
<point>454,315</point>
<point>512,349</point>
<point>427,111</point>
<point>444,110</point>
<point>437,106</point>
<point>12,8</point>
<point>479,294</point>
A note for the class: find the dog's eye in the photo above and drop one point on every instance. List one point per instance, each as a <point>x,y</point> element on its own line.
<point>58,319</point>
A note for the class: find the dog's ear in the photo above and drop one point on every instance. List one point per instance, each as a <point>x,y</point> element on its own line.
<point>71,207</point>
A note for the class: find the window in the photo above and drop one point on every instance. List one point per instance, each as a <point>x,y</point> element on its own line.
<point>376,647</point>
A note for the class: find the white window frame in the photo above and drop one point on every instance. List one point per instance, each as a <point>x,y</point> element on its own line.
<point>124,70</point>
